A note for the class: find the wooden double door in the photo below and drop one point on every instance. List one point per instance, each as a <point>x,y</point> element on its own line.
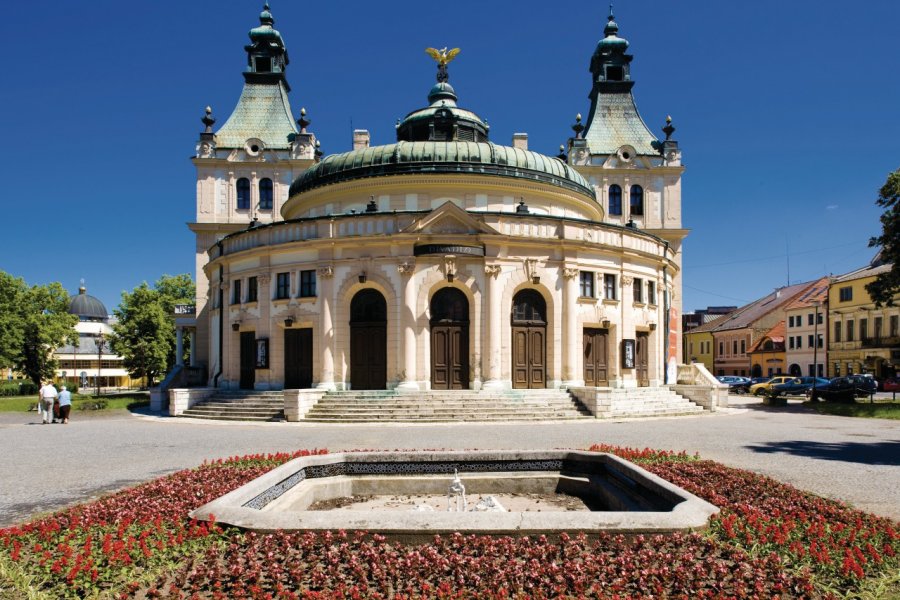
<point>595,346</point>
<point>298,358</point>
<point>368,341</point>
<point>641,358</point>
<point>449,340</point>
<point>529,340</point>
<point>248,360</point>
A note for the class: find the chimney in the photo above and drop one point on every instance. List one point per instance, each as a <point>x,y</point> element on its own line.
<point>520,141</point>
<point>360,139</point>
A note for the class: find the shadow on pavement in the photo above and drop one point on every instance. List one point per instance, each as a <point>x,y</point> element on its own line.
<point>877,453</point>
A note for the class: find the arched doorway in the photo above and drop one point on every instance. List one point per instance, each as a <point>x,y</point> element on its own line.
<point>794,370</point>
<point>368,341</point>
<point>529,340</point>
<point>756,371</point>
<point>449,340</point>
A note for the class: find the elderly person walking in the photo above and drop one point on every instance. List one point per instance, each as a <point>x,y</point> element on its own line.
<point>65,404</point>
<point>47,395</point>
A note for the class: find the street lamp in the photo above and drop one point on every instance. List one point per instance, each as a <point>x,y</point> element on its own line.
<point>815,352</point>
<point>100,343</point>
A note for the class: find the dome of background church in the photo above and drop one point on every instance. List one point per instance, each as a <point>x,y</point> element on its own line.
<point>87,307</point>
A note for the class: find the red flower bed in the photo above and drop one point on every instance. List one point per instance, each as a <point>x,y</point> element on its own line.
<point>769,541</point>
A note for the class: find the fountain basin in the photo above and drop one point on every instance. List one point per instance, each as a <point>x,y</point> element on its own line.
<point>619,496</point>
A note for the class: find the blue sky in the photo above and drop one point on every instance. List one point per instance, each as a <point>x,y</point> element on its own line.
<point>787,114</point>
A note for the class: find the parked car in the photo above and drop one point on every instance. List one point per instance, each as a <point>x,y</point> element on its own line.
<point>735,383</point>
<point>845,389</point>
<point>892,384</point>
<point>758,389</point>
<point>797,386</point>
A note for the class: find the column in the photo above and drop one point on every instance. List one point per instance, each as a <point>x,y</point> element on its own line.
<point>193,359</point>
<point>408,327</point>
<point>493,331</point>
<point>571,337</point>
<point>326,325</point>
<point>179,346</point>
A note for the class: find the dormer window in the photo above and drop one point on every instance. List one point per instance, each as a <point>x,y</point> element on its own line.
<point>637,200</point>
<point>265,194</point>
<point>243,193</point>
<point>615,200</point>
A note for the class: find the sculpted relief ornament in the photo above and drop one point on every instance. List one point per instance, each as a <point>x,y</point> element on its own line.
<point>570,273</point>
<point>326,272</point>
<point>492,270</point>
<point>405,268</point>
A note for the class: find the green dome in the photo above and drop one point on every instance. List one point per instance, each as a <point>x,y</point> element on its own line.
<point>441,157</point>
<point>612,42</point>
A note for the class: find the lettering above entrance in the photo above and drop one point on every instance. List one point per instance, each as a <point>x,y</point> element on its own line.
<point>444,249</point>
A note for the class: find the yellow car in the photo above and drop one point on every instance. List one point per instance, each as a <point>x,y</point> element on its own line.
<point>758,389</point>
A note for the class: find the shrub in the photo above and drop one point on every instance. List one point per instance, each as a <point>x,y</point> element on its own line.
<point>18,388</point>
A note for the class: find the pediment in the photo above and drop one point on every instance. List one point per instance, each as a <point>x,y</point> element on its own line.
<point>449,218</point>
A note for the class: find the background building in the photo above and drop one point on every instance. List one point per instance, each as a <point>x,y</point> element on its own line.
<point>806,329</point>
<point>738,331</point>
<point>864,338</point>
<point>91,362</point>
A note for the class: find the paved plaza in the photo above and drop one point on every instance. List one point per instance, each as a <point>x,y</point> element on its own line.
<point>47,467</point>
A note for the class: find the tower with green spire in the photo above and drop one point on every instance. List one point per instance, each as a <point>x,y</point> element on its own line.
<point>636,176</point>
<point>245,168</point>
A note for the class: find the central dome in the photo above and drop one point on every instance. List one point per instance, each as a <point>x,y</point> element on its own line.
<point>417,158</point>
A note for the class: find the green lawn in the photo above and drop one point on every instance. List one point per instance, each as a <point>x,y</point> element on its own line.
<point>79,402</point>
<point>877,410</point>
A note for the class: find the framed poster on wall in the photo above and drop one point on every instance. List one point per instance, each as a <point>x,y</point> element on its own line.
<point>262,353</point>
<point>627,354</point>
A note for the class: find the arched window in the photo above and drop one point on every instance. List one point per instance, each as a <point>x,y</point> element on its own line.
<point>637,200</point>
<point>243,193</point>
<point>615,200</point>
<point>265,194</point>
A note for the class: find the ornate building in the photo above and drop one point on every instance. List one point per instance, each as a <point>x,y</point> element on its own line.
<point>443,260</point>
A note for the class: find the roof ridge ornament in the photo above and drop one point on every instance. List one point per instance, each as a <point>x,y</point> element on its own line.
<point>443,57</point>
<point>208,120</point>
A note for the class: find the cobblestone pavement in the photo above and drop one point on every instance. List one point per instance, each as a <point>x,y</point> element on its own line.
<point>46,468</point>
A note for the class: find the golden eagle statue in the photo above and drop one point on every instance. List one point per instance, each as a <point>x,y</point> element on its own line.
<point>442,56</point>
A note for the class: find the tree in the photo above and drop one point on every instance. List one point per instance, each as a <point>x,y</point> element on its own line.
<point>145,333</point>
<point>140,335</point>
<point>34,321</point>
<point>887,285</point>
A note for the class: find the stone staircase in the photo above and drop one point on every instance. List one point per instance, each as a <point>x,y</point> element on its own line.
<point>442,406</point>
<point>650,402</point>
<point>445,406</point>
<point>240,405</point>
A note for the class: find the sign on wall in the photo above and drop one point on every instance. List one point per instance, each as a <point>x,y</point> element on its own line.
<point>262,353</point>
<point>627,354</point>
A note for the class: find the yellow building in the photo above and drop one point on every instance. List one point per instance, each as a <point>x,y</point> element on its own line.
<point>767,355</point>
<point>863,338</point>
<point>699,348</point>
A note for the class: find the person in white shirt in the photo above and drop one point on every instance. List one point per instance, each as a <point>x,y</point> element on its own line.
<point>47,395</point>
